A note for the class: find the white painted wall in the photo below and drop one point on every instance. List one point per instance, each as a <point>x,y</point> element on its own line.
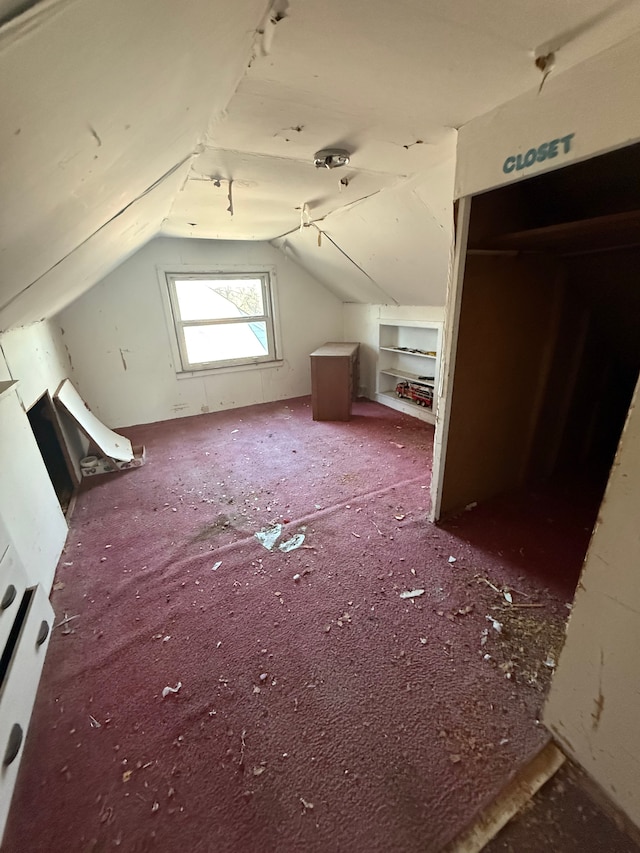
<point>392,248</point>
<point>594,101</point>
<point>28,503</point>
<point>103,106</point>
<point>594,704</point>
<point>122,321</point>
<point>361,323</point>
<point>36,356</point>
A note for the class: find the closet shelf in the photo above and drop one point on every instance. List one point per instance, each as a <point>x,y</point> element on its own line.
<point>616,230</point>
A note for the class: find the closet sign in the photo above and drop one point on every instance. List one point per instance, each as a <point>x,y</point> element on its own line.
<point>546,151</point>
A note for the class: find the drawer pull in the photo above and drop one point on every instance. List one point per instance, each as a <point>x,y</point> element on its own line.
<point>13,744</point>
<point>43,632</point>
<point>9,597</point>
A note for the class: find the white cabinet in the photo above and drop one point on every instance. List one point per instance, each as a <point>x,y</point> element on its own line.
<point>408,366</point>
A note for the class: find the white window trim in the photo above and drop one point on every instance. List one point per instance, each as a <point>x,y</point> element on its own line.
<point>184,271</point>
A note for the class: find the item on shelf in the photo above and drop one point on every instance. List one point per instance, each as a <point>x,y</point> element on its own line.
<point>420,394</point>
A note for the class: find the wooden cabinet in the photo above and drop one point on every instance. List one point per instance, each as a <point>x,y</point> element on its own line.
<point>334,381</point>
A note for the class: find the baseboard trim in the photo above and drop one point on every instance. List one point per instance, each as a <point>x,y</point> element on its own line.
<point>513,797</point>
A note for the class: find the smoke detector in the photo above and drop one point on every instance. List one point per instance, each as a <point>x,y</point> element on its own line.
<point>331,158</point>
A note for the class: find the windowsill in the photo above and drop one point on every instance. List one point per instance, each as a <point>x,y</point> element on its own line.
<point>230,368</point>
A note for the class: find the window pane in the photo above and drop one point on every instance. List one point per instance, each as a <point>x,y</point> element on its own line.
<point>217,299</point>
<point>223,343</point>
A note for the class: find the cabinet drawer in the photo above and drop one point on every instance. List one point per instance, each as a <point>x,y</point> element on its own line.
<point>13,582</point>
<point>20,668</point>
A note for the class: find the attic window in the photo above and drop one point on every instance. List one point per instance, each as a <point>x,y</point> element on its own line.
<point>222,320</point>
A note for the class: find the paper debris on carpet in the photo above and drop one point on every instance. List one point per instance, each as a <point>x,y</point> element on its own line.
<point>167,690</point>
<point>216,566</point>
<point>268,536</point>
<point>452,559</point>
<point>306,805</point>
<point>293,543</point>
<point>412,593</point>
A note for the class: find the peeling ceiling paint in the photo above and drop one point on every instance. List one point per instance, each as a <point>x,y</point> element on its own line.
<point>134,109</point>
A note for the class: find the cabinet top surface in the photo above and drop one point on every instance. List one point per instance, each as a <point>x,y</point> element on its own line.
<point>336,349</point>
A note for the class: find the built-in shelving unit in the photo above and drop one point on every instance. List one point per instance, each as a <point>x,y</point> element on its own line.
<point>409,352</point>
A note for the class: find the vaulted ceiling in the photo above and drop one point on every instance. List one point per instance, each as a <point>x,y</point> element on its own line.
<point>126,119</point>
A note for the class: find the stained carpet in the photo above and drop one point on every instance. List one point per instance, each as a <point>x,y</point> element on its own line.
<point>315,708</point>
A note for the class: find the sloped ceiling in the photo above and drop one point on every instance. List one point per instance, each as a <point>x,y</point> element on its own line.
<point>103,105</point>
<point>201,119</point>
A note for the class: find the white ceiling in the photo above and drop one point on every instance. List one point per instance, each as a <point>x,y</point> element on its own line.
<point>126,118</point>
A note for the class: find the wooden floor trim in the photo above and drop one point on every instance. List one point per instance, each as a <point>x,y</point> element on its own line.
<point>514,796</point>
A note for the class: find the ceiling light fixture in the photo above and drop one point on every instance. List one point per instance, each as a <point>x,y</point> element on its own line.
<point>331,158</point>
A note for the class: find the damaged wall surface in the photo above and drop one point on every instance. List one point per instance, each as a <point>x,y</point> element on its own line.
<point>103,106</point>
<point>123,364</point>
<point>28,504</point>
<point>595,696</point>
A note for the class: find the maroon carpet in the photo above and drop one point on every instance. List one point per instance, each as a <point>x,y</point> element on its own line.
<point>323,713</point>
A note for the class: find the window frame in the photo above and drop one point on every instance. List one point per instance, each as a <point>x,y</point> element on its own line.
<point>183,367</point>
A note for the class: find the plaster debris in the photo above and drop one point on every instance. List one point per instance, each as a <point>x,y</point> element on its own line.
<point>243,746</point>
<point>497,626</point>
<point>296,578</point>
<point>412,593</point>
<point>58,585</point>
<point>292,544</point>
<point>452,559</point>
<point>268,536</point>
<point>167,690</point>
<point>66,620</point>
<point>550,662</point>
<point>306,804</point>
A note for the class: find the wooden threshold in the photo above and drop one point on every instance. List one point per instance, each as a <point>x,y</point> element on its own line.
<point>513,797</point>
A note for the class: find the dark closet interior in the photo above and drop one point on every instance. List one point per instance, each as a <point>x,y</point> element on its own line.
<point>43,420</point>
<point>548,352</point>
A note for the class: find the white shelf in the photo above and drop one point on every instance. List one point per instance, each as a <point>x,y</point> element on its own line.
<point>389,398</point>
<point>402,349</point>
<point>408,352</point>
<point>411,377</point>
